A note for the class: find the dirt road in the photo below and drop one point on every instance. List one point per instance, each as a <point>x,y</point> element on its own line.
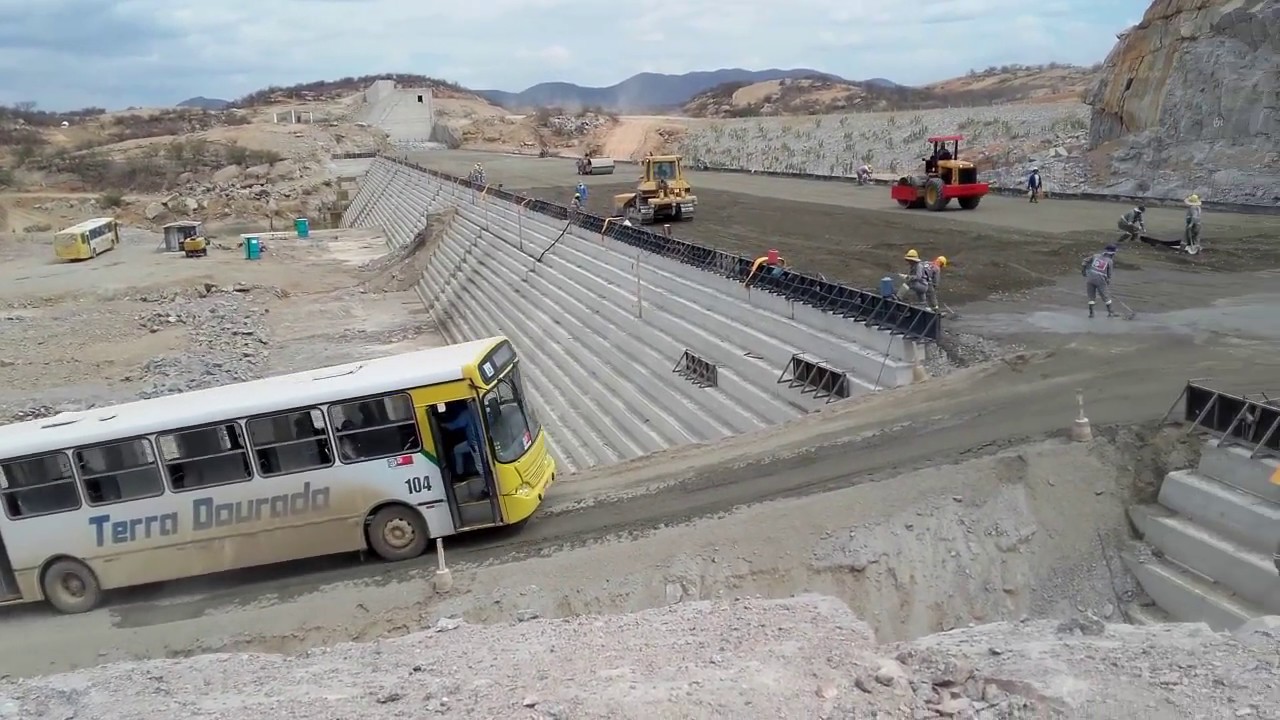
<point>858,234</point>
<point>967,415</point>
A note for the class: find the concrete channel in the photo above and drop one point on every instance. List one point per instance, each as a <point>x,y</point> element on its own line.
<point>605,326</point>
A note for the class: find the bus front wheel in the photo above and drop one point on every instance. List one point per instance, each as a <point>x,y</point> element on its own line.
<point>71,587</point>
<point>397,532</point>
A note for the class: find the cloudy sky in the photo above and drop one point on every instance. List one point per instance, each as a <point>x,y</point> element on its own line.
<point>67,54</point>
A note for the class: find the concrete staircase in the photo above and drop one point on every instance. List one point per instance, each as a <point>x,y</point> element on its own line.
<point>601,325</point>
<point>1214,530</point>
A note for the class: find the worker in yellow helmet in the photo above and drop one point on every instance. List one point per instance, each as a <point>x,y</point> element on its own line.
<point>914,282</point>
<point>922,278</point>
<point>933,272</point>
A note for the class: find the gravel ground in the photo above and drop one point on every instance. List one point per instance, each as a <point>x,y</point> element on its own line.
<point>136,323</point>
<point>806,657</point>
<point>1013,136</point>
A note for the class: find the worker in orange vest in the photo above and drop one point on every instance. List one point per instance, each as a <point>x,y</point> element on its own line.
<point>771,259</point>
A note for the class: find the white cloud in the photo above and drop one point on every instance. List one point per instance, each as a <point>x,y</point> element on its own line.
<point>551,56</point>
<point>159,52</point>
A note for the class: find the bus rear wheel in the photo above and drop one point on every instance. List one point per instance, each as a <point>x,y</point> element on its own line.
<point>71,587</point>
<point>397,532</point>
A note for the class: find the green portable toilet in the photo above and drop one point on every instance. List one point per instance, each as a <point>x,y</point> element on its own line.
<point>303,226</point>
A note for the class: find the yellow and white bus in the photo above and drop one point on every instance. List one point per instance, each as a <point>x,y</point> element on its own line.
<point>369,455</point>
<point>87,240</point>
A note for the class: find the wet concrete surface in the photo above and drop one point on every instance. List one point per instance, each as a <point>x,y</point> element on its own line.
<point>1160,298</point>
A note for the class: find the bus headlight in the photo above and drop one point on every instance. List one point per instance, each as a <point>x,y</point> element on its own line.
<point>524,488</point>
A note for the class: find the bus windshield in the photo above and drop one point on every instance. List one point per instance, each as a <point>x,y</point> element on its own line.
<point>513,426</point>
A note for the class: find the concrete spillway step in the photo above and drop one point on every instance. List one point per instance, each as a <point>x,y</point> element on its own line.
<point>1246,573</point>
<point>1233,466</point>
<point>602,325</point>
<point>1188,597</point>
<point>620,342</point>
<point>1240,516</point>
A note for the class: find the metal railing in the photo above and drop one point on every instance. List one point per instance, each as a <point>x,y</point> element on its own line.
<point>1249,422</point>
<point>813,375</point>
<point>859,305</point>
<point>700,372</point>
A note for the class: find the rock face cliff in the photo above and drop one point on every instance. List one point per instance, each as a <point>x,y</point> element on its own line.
<point>1189,100</point>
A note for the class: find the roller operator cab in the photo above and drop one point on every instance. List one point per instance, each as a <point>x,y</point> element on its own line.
<point>663,193</point>
<point>945,177</point>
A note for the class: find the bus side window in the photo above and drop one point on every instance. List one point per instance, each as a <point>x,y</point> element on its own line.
<point>290,443</point>
<point>119,471</point>
<point>38,486</point>
<point>375,428</point>
<point>204,457</point>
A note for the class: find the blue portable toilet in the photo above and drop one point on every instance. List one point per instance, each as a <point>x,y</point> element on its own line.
<point>252,247</point>
<point>303,226</point>
<point>888,287</point>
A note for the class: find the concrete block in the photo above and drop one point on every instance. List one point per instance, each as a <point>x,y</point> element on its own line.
<point>1187,597</point>
<point>1240,516</point>
<point>1232,465</point>
<point>1246,573</point>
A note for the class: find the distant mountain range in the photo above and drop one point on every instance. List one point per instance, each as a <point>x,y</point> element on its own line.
<point>204,103</point>
<point>645,91</point>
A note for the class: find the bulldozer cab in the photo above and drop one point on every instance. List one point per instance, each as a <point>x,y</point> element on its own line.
<point>663,174</point>
<point>945,162</point>
<point>662,193</point>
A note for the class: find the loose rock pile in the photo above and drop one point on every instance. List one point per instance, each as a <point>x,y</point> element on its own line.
<point>808,657</point>
<point>576,125</point>
<point>227,341</point>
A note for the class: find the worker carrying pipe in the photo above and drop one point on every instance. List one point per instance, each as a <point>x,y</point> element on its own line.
<point>772,260</point>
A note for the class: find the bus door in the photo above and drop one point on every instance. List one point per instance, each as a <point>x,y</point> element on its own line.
<point>8,583</point>
<point>468,472</point>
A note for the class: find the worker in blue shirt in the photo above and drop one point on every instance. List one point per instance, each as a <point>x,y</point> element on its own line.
<point>464,419</point>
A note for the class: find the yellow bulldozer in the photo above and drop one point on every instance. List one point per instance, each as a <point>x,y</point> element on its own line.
<point>661,195</point>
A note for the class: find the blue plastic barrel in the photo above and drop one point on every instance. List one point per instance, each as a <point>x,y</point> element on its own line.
<point>888,287</point>
<point>303,226</point>
<point>252,248</point>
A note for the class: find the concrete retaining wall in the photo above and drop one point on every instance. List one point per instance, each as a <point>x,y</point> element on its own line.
<point>405,114</point>
<point>1216,527</point>
<point>601,325</point>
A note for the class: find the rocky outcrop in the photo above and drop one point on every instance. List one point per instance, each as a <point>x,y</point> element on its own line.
<point>1194,90</point>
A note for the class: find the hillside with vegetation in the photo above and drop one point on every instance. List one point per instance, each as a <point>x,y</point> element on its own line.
<point>325,90</point>
<point>821,95</point>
